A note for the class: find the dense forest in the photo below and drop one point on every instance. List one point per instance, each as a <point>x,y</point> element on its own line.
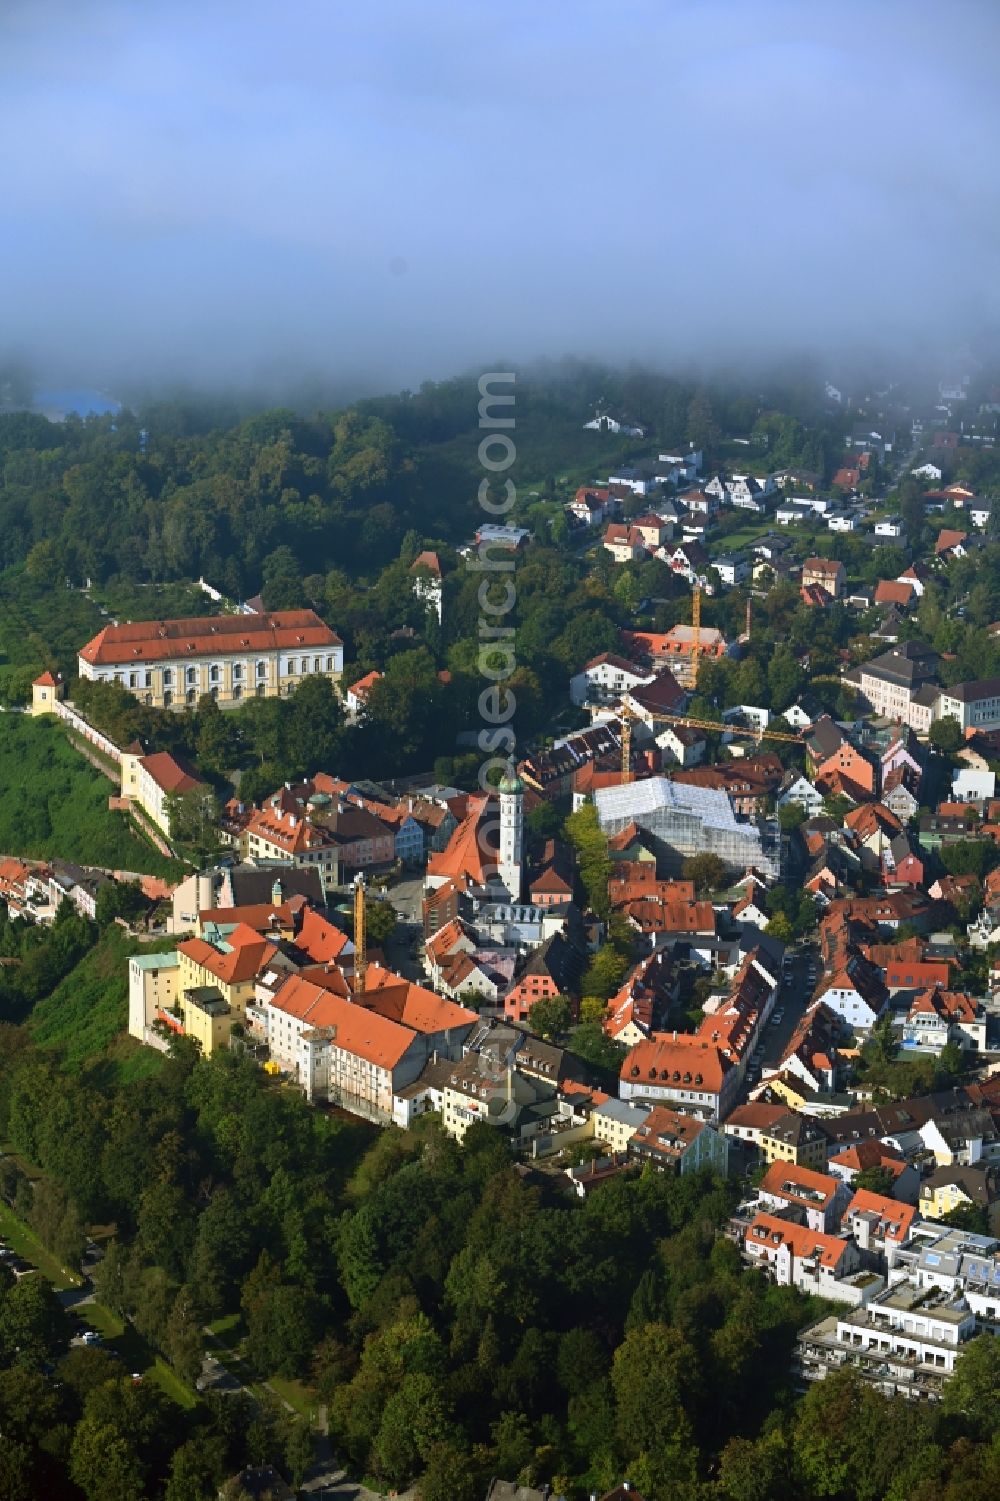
<point>330,511</point>
<point>180,490</point>
<point>456,1319</point>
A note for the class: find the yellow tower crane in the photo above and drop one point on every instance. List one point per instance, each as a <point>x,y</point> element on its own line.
<point>360,962</point>
<point>627,714</point>
<point>695,630</point>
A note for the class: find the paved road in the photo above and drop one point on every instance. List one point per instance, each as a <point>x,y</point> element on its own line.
<point>794,997</point>
<point>326,1481</point>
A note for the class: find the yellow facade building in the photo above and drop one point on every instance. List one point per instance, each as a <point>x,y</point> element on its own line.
<point>170,664</point>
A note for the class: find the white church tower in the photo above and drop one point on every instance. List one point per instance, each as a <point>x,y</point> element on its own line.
<point>510,865</point>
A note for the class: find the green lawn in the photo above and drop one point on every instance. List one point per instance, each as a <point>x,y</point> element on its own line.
<point>135,1353</point>
<point>128,601</point>
<point>26,1243</point>
<point>87,1012</point>
<point>117,1335</point>
<point>746,535</point>
<point>226,1340</point>
<point>54,804</point>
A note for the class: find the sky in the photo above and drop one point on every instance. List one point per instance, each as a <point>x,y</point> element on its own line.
<point>390,191</point>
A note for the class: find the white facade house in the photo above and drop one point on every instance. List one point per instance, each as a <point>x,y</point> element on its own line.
<point>803,792</point>
<point>153,986</point>
<point>604,422</point>
<point>605,679</point>
<point>850,1001</point>
<point>891,527</point>
<point>975,705</point>
<point>732,568</point>
<point>970,786</point>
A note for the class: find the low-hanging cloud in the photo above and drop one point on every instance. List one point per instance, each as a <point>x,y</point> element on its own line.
<point>392,190</point>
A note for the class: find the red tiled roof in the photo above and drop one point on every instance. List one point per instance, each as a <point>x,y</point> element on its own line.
<point>895,1219</point>
<point>168,774</point>
<point>756,1116</point>
<point>216,635</point>
<point>871,1153</point>
<point>789,1181</point>
<point>466,857</point>
<point>245,955</point>
<point>361,687</point>
<point>667,1131</point>
<point>413,1005</point>
<point>768,1230</point>
<point>947,539</point>
<point>696,1062</point>
<point>359,1029</point>
<point>893,592</point>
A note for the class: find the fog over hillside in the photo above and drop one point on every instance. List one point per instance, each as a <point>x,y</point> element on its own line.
<point>386,193</point>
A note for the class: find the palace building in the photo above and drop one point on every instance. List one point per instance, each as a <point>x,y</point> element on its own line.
<point>172,663</point>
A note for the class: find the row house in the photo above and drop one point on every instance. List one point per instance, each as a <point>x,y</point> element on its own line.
<point>900,684</point>
<point>798,1256</point>
<point>900,1342</point>
<point>700,1073</point>
<point>553,969</point>
<point>360,1052</point>
<point>151,782</point>
<point>812,1051</point>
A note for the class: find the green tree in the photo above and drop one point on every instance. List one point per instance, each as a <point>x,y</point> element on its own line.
<point>196,1469</point>
<point>450,1475</point>
<point>119,899</point>
<point>755,1469</point>
<point>18,1480</point>
<point>551,1017</point>
<point>791,816</point>
<point>414,1420</point>
<point>781,928</point>
<point>605,972</point>
<point>707,871</point>
<point>183,1341</point>
<point>970,1395</point>
<point>946,735</point>
<point>33,1323</point>
<point>103,1464</point>
<point>876,1180</point>
<point>192,818</point>
<point>968,857</point>
<point>591,844</point>
<point>590,1042</point>
<point>381,920</point>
